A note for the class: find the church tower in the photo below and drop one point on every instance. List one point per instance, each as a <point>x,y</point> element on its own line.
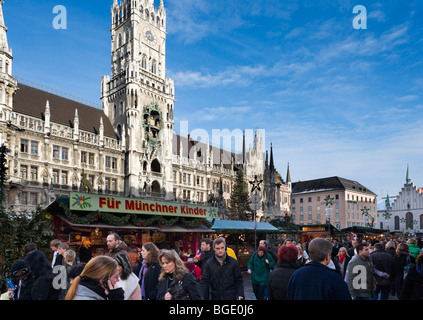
<point>138,98</point>
<point>8,84</point>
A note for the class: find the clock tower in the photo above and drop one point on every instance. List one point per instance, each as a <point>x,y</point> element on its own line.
<point>139,99</point>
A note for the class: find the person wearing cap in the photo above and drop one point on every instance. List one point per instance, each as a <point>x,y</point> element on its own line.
<point>22,279</point>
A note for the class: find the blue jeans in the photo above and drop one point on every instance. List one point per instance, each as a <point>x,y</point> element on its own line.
<point>383,291</point>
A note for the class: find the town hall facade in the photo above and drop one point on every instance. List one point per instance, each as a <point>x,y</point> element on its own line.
<point>128,148</point>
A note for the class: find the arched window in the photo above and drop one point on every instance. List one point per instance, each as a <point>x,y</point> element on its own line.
<point>155,187</point>
<point>409,220</point>
<point>155,166</point>
<point>396,223</point>
<point>421,221</point>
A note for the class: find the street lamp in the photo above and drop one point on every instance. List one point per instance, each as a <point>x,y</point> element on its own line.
<point>329,202</point>
<point>255,204</point>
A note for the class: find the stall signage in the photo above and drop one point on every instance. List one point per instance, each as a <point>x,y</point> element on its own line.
<point>107,203</point>
<point>314,229</point>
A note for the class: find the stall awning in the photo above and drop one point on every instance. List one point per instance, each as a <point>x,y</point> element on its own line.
<point>231,226</point>
<point>182,228</point>
<point>105,225</point>
<point>364,230</point>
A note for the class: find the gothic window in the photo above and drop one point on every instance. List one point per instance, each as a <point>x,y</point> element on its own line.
<point>409,220</point>
<point>144,62</point>
<point>120,40</point>
<point>155,187</point>
<point>153,67</point>
<point>155,166</point>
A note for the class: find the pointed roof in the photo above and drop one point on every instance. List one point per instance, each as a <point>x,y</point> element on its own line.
<point>407,176</point>
<point>387,201</point>
<point>4,46</point>
<point>271,165</point>
<point>288,175</point>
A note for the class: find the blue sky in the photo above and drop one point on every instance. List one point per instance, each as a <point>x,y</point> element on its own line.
<point>333,100</point>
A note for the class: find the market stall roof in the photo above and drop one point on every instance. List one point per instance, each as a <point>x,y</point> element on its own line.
<point>367,230</point>
<point>183,228</point>
<point>106,225</point>
<point>243,226</point>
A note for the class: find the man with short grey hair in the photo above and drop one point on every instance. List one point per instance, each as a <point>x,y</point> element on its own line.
<point>315,281</point>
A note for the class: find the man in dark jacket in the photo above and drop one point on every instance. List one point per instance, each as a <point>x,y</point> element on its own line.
<point>222,274</point>
<point>316,281</point>
<point>383,262</point>
<point>207,253</point>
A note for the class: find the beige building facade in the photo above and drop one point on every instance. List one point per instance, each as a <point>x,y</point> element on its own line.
<point>349,200</point>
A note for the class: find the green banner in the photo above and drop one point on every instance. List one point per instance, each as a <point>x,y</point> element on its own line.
<point>80,201</point>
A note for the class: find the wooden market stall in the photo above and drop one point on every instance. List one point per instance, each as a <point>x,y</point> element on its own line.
<point>240,237</point>
<point>170,225</point>
<point>321,230</point>
<point>363,233</point>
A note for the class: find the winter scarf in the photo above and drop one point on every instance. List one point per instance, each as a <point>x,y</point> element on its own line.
<point>221,260</point>
<point>141,275</point>
<point>342,257</point>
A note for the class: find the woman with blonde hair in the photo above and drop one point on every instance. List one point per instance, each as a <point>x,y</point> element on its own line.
<point>97,281</point>
<point>175,281</point>
<point>341,261</point>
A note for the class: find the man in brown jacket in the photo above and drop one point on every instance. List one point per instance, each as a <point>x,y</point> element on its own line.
<point>116,246</point>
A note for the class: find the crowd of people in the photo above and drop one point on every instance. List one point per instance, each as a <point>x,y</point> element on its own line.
<point>318,270</point>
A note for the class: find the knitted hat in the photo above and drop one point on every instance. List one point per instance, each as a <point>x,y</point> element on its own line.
<point>19,269</point>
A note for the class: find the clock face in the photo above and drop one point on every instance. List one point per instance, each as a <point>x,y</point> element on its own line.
<point>149,36</point>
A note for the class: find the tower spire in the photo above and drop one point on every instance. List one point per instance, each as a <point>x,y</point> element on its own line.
<point>6,58</point>
<point>288,175</point>
<point>407,177</point>
<point>271,165</point>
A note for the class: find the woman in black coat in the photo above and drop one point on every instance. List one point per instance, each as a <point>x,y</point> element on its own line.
<point>175,281</point>
<point>279,277</point>
<point>399,262</point>
<point>148,271</point>
<point>43,276</point>
<point>413,283</point>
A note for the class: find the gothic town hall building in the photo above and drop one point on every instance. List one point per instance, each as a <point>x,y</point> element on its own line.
<point>129,148</point>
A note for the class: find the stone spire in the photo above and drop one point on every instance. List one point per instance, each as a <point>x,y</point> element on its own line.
<point>3,30</point>
<point>407,177</point>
